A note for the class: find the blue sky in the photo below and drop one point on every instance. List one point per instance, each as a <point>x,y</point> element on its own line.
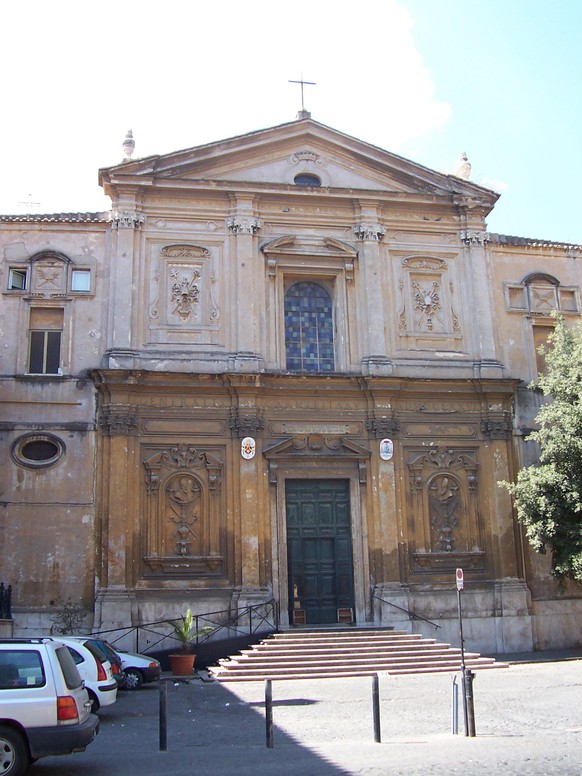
<point>512,71</point>
<point>426,79</point>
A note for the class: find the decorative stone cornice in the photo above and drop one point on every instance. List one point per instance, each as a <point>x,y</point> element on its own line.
<point>126,219</point>
<point>118,423</point>
<point>245,425</point>
<point>473,237</point>
<point>382,427</point>
<point>497,428</point>
<point>369,231</point>
<point>237,225</point>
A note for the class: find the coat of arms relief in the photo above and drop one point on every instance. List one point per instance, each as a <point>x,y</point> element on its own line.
<point>184,292</point>
<point>428,306</point>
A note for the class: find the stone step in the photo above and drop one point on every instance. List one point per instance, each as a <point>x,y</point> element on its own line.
<point>298,675</point>
<point>355,633</point>
<point>374,663</point>
<point>302,633</point>
<point>324,653</point>
<point>326,643</point>
<point>303,659</point>
<point>344,652</point>
<point>321,672</point>
<point>324,647</point>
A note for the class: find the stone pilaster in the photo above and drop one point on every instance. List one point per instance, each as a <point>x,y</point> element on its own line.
<point>244,228</point>
<point>475,242</point>
<point>126,221</point>
<point>370,233</point>
<point>115,597</point>
<point>246,420</point>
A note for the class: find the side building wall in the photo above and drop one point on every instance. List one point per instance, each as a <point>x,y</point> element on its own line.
<point>52,280</point>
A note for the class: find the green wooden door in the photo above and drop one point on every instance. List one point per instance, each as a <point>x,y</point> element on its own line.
<point>319,549</point>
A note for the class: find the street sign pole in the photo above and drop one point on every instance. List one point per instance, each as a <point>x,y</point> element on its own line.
<point>468,707</point>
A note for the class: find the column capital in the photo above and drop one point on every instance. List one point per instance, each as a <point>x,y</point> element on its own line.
<point>126,219</point>
<point>369,231</point>
<point>474,237</point>
<point>238,225</point>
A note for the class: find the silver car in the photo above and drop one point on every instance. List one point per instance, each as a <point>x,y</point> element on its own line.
<point>44,706</point>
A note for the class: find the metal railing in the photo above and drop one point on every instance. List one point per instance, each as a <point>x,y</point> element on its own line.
<point>255,619</point>
<point>411,615</point>
<point>5,602</point>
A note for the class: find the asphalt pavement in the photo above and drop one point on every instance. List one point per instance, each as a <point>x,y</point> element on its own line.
<point>528,720</point>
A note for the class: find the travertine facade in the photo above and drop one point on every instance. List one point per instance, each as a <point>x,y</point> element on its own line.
<point>286,366</point>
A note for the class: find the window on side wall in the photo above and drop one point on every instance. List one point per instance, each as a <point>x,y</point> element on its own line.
<point>45,334</point>
<point>541,332</point>
<point>81,280</point>
<point>17,279</point>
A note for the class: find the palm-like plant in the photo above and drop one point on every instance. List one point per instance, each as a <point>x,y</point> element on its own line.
<point>185,630</point>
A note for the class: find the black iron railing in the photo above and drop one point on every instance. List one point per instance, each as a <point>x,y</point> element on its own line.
<point>249,621</point>
<point>5,602</point>
<point>411,615</point>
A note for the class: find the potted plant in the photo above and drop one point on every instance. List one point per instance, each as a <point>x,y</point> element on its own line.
<point>185,631</point>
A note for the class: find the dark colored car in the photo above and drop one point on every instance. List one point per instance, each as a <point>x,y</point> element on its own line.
<point>112,655</point>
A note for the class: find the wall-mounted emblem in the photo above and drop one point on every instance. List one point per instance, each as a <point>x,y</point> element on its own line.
<point>247,448</point>
<point>386,449</point>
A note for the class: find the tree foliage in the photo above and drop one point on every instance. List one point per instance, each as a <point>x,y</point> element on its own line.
<point>548,495</point>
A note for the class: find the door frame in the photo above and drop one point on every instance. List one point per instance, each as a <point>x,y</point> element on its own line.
<point>345,483</point>
<point>351,465</point>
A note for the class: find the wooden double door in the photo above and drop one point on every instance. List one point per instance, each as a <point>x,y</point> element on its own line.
<point>319,551</point>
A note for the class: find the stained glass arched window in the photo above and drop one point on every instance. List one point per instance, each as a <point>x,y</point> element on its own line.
<point>309,328</point>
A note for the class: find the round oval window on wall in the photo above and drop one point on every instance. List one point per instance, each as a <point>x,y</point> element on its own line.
<point>37,450</point>
<point>305,179</point>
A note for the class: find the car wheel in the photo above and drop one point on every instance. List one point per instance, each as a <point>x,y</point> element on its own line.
<point>133,679</point>
<point>94,702</point>
<point>14,757</point>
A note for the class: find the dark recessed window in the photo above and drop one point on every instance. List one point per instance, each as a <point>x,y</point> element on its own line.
<point>37,450</point>
<point>304,179</point>
<point>41,450</point>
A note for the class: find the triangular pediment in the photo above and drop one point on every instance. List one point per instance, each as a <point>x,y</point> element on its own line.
<point>311,445</point>
<point>275,157</point>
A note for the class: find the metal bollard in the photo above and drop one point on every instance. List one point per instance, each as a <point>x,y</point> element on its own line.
<point>470,708</point>
<point>269,712</point>
<point>454,707</point>
<point>163,716</point>
<point>376,707</point>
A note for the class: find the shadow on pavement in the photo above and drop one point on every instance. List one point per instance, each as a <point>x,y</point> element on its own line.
<point>209,731</point>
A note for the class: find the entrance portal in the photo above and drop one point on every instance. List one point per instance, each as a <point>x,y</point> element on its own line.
<point>319,551</point>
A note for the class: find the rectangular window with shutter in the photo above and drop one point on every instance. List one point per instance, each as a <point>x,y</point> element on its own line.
<point>541,333</point>
<point>46,328</point>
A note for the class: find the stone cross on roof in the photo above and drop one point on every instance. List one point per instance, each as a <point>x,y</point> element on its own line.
<point>303,114</point>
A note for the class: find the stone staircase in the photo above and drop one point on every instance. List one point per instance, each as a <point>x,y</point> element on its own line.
<point>321,654</point>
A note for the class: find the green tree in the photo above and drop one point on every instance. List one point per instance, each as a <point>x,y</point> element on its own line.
<point>548,495</point>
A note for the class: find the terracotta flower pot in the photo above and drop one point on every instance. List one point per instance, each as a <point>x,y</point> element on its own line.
<point>182,664</point>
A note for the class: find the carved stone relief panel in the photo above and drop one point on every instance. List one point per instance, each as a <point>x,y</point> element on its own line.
<point>184,294</point>
<point>184,528</point>
<point>428,306</point>
<point>49,277</point>
<point>445,523</point>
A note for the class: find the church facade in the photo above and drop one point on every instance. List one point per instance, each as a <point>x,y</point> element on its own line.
<point>288,366</point>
